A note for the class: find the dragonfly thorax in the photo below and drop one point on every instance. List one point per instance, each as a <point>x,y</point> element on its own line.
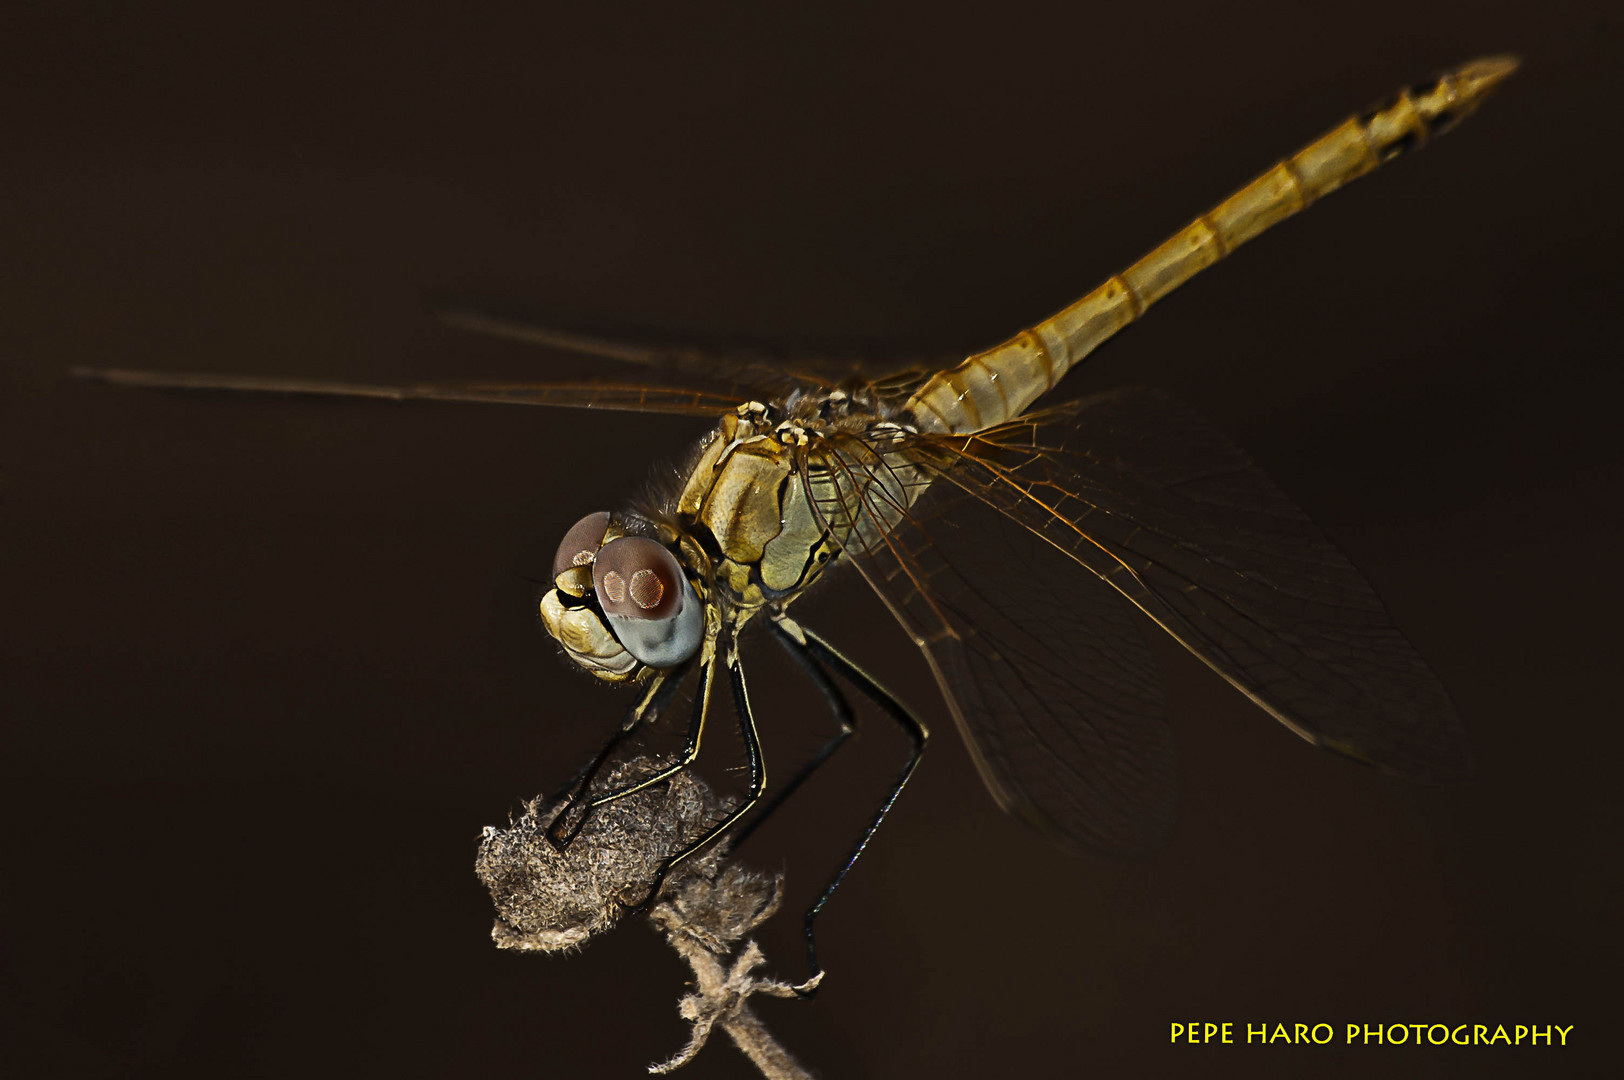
<point>772,496</point>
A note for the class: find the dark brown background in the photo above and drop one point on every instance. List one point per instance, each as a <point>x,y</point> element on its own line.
<point>271,664</point>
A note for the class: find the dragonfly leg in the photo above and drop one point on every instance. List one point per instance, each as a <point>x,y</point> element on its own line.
<point>918,736</point>
<point>758,779</point>
<point>791,638</point>
<point>646,708</point>
<point>562,831</point>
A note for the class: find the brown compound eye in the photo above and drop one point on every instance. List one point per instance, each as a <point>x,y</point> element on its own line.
<point>649,603</point>
<point>638,577</point>
<point>580,545</point>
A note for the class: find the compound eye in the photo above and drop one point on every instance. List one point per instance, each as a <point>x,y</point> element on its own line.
<point>580,545</point>
<point>637,578</point>
<point>649,603</point>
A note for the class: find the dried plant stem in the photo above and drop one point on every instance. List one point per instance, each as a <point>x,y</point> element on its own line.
<point>703,922</point>
<point>550,901</point>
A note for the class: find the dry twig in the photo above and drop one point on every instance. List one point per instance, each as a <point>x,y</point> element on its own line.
<point>551,901</point>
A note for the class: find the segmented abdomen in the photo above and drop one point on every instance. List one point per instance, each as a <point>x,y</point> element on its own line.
<point>1000,384</point>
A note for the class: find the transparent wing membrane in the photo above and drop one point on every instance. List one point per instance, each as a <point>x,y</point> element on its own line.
<point>576,395</point>
<point>1043,669</point>
<point>677,379</point>
<point>1162,507</point>
<point>751,369</point>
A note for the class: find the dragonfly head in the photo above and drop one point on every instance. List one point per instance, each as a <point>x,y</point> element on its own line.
<point>620,602</point>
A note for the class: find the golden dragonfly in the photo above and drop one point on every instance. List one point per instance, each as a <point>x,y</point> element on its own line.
<point>1121,496</point>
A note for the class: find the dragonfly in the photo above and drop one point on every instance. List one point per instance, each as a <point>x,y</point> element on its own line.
<point>1020,546</point>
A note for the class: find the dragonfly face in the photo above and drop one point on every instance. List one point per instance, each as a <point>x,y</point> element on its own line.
<point>621,602</point>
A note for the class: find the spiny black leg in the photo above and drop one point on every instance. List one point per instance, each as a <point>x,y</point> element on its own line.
<point>561,832</point>
<point>918,735</point>
<point>758,779</point>
<point>646,708</point>
<point>578,788</point>
<point>845,716</point>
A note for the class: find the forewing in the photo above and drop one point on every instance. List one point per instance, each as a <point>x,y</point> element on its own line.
<point>753,369</point>
<point>681,379</point>
<point>1042,667</point>
<point>1165,509</point>
<point>618,397</point>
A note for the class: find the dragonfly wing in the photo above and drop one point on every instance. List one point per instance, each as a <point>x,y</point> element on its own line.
<point>1165,509</point>
<point>576,395</point>
<point>670,378</point>
<point>1043,668</point>
<point>765,371</point>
